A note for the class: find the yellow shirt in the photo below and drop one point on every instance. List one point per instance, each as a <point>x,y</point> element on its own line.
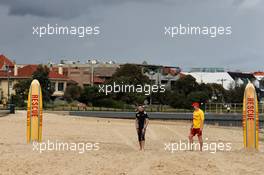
<point>198,117</point>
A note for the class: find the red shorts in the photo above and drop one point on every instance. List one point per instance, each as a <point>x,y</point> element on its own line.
<point>197,131</point>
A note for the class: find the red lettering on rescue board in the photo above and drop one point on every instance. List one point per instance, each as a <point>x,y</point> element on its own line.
<point>250,108</point>
<point>34,103</point>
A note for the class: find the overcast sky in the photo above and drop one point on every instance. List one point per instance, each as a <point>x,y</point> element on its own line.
<point>133,31</point>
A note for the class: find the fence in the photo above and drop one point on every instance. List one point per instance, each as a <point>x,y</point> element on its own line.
<point>228,108</point>
<point>218,108</point>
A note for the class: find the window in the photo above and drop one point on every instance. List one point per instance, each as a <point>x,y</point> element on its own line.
<point>164,81</point>
<point>86,85</point>
<point>10,85</point>
<point>53,85</point>
<point>75,73</point>
<point>60,86</point>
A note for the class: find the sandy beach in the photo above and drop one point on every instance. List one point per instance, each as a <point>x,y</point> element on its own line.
<point>118,148</point>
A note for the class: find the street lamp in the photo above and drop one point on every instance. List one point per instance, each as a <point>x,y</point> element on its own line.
<point>92,62</point>
<point>151,73</point>
<point>222,80</point>
<point>7,70</point>
<point>169,77</point>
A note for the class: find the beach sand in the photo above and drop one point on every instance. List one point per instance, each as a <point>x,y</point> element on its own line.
<point>118,148</point>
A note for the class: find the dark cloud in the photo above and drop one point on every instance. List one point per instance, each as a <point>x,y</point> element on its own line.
<point>59,8</point>
<point>132,31</point>
<point>67,9</point>
<point>238,2</point>
<point>247,3</point>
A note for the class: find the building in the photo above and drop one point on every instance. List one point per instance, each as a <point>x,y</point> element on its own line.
<point>7,68</point>
<point>59,82</point>
<point>208,69</point>
<point>260,84</point>
<point>222,78</point>
<point>87,74</point>
<point>242,78</point>
<point>161,75</point>
<point>211,75</point>
<point>259,75</point>
<point>11,73</point>
<point>94,72</point>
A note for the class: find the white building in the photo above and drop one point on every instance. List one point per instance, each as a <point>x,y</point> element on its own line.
<point>222,78</point>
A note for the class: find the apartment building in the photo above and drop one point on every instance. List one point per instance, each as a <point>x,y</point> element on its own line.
<point>86,74</point>
<point>11,73</point>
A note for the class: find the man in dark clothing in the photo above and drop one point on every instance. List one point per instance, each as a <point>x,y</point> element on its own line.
<point>141,122</point>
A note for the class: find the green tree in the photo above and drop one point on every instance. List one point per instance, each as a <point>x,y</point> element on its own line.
<point>186,90</point>
<point>129,74</point>
<point>197,96</point>
<point>180,91</point>
<point>177,100</point>
<point>42,75</point>
<point>236,94</point>
<point>90,94</point>
<point>218,93</point>
<point>185,85</point>
<point>21,92</point>
<point>162,98</point>
<point>72,92</point>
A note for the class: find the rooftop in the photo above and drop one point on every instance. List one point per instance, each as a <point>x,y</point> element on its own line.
<point>28,70</point>
<point>23,71</point>
<point>5,61</point>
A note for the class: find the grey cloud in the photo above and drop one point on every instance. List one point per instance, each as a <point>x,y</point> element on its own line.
<point>64,9</point>
<point>132,31</point>
<point>67,9</point>
<point>247,3</point>
<point>238,2</point>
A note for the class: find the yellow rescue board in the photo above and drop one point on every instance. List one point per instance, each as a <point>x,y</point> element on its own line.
<point>250,118</point>
<point>34,113</point>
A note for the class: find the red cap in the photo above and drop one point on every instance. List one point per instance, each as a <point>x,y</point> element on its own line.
<point>195,104</point>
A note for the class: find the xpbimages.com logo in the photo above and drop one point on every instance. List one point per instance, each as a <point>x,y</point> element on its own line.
<point>209,31</point>
<point>126,88</point>
<point>211,147</point>
<point>50,146</point>
<point>79,31</point>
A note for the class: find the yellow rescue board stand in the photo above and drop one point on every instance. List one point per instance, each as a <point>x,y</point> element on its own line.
<point>250,118</point>
<point>34,113</point>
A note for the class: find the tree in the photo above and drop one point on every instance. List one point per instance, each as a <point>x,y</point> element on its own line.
<point>185,85</point>
<point>180,91</point>
<point>197,96</point>
<point>186,90</point>
<point>42,75</point>
<point>90,94</point>
<point>129,74</point>
<point>72,92</point>
<point>177,100</point>
<point>218,93</point>
<point>21,92</point>
<point>162,98</point>
<point>235,94</point>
